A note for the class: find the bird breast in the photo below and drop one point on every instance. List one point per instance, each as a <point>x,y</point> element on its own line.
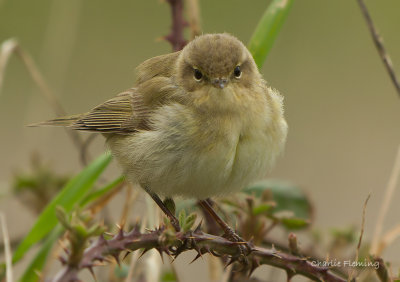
<point>194,155</point>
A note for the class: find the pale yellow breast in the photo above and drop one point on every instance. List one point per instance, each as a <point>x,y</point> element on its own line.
<point>200,156</point>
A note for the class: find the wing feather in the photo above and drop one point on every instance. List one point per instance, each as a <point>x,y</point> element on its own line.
<point>122,114</point>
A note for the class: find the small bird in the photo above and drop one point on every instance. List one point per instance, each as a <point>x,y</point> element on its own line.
<point>200,122</point>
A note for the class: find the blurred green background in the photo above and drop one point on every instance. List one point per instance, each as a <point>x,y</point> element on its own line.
<point>342,110</point>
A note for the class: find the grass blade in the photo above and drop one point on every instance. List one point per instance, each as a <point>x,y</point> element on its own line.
<point>267,29</point>
<point>74,191</point>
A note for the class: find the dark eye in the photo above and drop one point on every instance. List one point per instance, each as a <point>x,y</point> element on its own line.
<point>237,72</point>
<point>197,75</point>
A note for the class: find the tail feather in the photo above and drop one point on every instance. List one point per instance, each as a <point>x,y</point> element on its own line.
<point>66,121</point>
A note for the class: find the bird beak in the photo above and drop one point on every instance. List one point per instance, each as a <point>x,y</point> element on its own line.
<point>220,82</point>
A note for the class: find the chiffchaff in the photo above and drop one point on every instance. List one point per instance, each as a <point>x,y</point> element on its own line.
<point>199,122</point>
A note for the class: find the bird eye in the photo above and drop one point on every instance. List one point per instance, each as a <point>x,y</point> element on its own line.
<point>197,75</point>
<point>237,72</point>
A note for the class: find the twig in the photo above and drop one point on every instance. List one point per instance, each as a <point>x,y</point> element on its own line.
<point>174,244</point>
<point>7,49</point>
<point>11,46</point>
<point>7,248</point>
<point>382,271</point>
<point>361,234</point>
<point>84,148</point>
<point>388,238</point>
<point>176,37</point>
<point>387,199</point>
<point>379,46</point>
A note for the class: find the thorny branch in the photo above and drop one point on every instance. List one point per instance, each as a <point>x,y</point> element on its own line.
<point>173,244</point>
<point>379,45</point>
<point>176,37</point>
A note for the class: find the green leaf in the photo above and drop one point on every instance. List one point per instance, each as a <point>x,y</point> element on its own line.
<point>70,195</point>
<point>100,192</point>
<point>263,208</point>
<point>189,221</point>
<point>294,223</point>
<point>38,262</point>
<point>182,217</point>
<point>267,29</point>
<point>286,196</point>
<point>170,205</point>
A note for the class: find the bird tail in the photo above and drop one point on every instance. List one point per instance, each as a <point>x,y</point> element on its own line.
<point>66,121</point>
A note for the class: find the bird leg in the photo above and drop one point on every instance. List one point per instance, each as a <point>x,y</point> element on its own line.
<point>174,221</point>
<point>229,233</point>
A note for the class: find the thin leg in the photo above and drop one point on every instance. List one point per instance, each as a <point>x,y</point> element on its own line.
<point>207,206</point>
<point>174,221</point>
<point>229,233</point>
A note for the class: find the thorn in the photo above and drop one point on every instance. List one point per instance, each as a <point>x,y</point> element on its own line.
<point>135,231</point>
<point>196,258</point>
<point>230,261</point>
<point>127,254</point>
<point>197,230</point>
<point>275,252</point>
<point>290,273</point>
<point>102,240</point>
<point>160,251</point>
<point>90,268</point>
<point>120,234</point>
<point>144,251</point>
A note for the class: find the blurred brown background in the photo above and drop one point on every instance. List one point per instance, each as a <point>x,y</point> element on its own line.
<point>342,109</point>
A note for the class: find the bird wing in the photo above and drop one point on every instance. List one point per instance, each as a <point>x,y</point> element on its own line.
<point>160,66</point>
<point>122,114</point>
<point>130,110</point>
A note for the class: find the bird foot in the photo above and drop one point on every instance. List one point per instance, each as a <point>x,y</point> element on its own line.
<point>245,247</point>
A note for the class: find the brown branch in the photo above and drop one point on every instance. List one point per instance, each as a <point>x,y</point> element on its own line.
<point>381,271</point>
<point>176,37</point>
<point>379,45</point>
<point>361,235</point>
<point>165,241</point>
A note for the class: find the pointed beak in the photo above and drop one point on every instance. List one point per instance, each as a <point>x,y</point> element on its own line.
<point>220,82</point>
